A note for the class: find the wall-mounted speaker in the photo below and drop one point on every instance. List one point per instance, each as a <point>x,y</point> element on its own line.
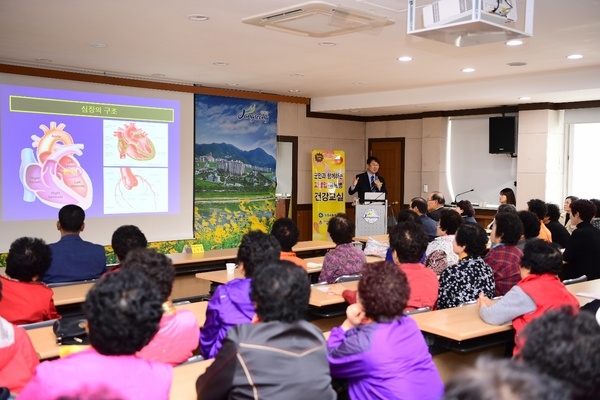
<point>503,135</point>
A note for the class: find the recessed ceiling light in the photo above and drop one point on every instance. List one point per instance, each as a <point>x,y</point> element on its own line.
<point>575,56</point>
<point>525,98</point>
<point>405,58</point>
<point>353,111</point>
<point>327,44</point>
<point>197,17</point>
<point>514,42</point>
<point>516,64</point>
<point>43,60</point>
<point>296,75</point>
<point>360,83</point>
<point>294,91</point>
<point>158,75</point>
<point>98,45</point>
<point>468,69</point>
<point>231,84</point>
<point>220,64</point>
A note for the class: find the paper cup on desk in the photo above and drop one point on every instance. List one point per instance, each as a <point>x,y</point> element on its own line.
<point>230,268</point>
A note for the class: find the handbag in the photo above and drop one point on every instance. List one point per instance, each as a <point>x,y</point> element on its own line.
<point>70,330</point>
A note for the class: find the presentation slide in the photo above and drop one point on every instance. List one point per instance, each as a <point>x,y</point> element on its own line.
<point>113,155</point>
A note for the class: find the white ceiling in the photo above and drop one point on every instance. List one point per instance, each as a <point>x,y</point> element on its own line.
<point>360,75</point>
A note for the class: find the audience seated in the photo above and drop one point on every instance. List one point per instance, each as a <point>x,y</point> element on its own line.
<point>74,259</point>
<point>435,204</point>
<point>503,380</point>
<point>178,334</point>
<point>419,206</point>
<point>381,352</point>
<point>124,239</point>
<point>408,242</point>
<point>279,355</point>
<point>566,347</point>
<point>504,257</point>
<point>582,254</point>
<point>18,358</point>
<point>286,232</point>
<point>230,304</point>
<point>25,300</point>
<point>344,259</point>
<point>540,290</point>
<point>507,196</point>
<point>596,220</point>
<point>567,215</point>
<point>464,281</point>
<point>539,208</point>
<point>560,235</point>
<point>404,215</point>
<point>466,211</point>
<point>440,253</point>
<point>531,227</point>
<point>123,311</point>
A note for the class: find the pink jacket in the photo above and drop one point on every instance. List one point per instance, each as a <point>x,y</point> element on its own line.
<point>126,377</point>
<point>176,339</point>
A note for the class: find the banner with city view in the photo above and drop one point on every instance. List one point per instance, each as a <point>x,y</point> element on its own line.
<point>234,169</point>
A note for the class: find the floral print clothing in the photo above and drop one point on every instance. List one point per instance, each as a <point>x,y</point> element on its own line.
<point>464,281</point>
<point>443,243</point>
<point>344,259</point>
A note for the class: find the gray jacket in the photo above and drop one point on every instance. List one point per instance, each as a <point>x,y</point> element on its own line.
<point>269,360</point>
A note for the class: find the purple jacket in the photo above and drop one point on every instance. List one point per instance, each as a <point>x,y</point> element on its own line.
<point>384,360</point>
<point>229,306</point>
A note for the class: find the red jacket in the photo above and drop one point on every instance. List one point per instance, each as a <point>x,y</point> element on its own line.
<point>26,302</point>
<point>18,359</point>
<point>548,293</point>
<point>423,283</point>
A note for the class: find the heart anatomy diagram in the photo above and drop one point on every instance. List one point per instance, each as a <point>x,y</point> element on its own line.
<point>53,174</point>
<point>133,142</point>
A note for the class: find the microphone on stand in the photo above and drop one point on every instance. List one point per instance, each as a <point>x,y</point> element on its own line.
<point>460,194</point>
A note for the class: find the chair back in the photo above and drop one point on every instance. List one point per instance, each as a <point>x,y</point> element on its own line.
<point>347,278</point>
<point>417,311</point>
<point>582,278</point>
<point>40,324</point>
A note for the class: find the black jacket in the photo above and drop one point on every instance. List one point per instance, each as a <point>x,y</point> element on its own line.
<point>364,185</point>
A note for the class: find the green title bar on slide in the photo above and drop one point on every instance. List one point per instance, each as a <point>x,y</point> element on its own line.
<point>37,105</point>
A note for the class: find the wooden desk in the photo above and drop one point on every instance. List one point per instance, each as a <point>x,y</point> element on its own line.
<point>585,287</point>
<point>379,238</point>
<point>459,323</point>
<point>209,256</point>
<point>184,379</point>
<point>321,297</point>
<point>221,276</point>
<point>71,294</point>
<point>44,340</point>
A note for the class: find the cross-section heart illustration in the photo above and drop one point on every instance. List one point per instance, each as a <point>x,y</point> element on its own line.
<point>53,175</point>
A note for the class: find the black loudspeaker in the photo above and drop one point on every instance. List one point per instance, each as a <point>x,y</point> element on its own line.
<point>503,135</point>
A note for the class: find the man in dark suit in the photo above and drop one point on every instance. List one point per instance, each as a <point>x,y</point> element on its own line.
<point>368,181</point>
<point>435,204</point>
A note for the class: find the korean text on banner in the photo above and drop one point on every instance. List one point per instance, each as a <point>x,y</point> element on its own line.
<point>328,183</point>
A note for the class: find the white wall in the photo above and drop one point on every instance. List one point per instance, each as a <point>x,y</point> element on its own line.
<point>471,166</point>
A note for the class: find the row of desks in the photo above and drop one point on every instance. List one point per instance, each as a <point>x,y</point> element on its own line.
<point>44,340</point>
<point>75,294</point>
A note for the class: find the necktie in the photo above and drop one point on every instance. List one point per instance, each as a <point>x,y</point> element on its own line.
<point>373,186</point>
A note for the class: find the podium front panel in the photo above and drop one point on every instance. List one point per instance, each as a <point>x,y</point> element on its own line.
<point>371,219</point>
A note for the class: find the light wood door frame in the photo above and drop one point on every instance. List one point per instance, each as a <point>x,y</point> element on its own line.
<point>396,178</point>
<point>294,200</point>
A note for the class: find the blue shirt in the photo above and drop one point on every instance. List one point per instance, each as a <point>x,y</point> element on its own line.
<point>74,259</point>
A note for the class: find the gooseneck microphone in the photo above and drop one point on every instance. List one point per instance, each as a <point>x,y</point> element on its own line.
<point>460,194</point>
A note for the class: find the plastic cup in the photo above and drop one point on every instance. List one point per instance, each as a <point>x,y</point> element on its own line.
<point>230,268</point>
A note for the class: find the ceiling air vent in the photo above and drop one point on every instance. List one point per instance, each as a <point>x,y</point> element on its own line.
<point>319,19</point>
